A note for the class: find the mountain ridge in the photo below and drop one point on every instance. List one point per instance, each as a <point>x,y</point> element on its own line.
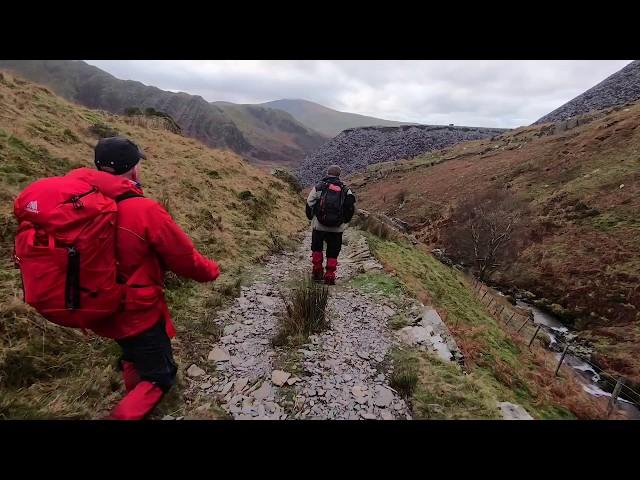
<point>212,124</point>
<point>325,120</point>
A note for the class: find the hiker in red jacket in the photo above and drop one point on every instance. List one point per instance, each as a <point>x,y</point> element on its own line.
<point>148,242</point>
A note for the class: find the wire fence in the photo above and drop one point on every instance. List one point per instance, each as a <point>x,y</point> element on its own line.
<point>522,321</point>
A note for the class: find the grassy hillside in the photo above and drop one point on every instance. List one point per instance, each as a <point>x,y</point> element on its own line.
<point>227,206</point>
<point>577,182</point>
<point>278,140</point>
<point>328,121</point>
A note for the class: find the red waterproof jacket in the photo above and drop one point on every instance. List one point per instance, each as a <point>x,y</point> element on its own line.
<point>148,243</point>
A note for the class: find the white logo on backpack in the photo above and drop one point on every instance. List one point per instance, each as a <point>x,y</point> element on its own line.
<point>32,206</point>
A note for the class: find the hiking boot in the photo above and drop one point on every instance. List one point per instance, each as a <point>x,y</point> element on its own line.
<point>138,403</point>
<point>330,274</point>
<point>318,269</point>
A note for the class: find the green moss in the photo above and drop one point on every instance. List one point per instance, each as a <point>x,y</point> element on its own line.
<point>378,283</point>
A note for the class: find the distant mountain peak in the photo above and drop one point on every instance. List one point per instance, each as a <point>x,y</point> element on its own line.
<point>325,120</point>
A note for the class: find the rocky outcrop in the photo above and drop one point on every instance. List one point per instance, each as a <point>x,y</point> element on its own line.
<point>618,89</point>
<point>511,411</point>
<point>354,149</point>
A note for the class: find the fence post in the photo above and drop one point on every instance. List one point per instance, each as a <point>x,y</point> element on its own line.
<point>534,336</point>
<point>564,352</point>
<point>614,396</point>
<point>522,326</point>
<point>510,318</point>
<point>501,310</point>
<point>485,294</point>
<point>490,302</point>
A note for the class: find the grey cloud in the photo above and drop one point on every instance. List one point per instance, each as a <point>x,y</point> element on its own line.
<point>483,93</point>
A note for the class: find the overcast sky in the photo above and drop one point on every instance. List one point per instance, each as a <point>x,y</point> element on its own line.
<point>474,92</point>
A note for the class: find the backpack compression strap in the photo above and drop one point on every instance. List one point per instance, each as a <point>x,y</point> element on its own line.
<point>126,196</point>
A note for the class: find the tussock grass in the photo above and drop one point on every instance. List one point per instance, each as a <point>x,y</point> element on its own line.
<point>404,377</point>
<point>305,312</point>
<point>398,321</point>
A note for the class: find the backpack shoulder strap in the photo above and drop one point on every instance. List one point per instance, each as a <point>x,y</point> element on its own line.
<point>126,196</point>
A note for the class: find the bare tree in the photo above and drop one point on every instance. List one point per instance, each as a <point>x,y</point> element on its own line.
<point>484,231</point>
<point>491,231</point>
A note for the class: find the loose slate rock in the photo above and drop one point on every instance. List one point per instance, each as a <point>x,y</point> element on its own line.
<point>263,392</point>
<point>292,380</point>
<point>511,411</point>
<point>195,371</point>
<point>387,415</point>
<point>279,377</point>
<point>240,385</point>
<point>383,397</point>
<point>218,355</point>
<point>230,329</point>
<point>388,310</point>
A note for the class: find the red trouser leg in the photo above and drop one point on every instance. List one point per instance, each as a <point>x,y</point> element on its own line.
<point>129,375</point>
<point>318,270</point>
<point>330,275</point>
<point>138,403</point>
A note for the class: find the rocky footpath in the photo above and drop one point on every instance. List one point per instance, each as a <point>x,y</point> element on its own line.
<point>342,373</point>
<point>356,148</point>
<point>618,89</point>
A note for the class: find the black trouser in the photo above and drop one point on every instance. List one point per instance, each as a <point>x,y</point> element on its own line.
<point>333,239</point>
<point>150,352</point>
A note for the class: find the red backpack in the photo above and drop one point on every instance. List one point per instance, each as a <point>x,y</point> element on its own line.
<point>65,249</point>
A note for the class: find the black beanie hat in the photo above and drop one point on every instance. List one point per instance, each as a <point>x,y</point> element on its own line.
<point>117,155</point>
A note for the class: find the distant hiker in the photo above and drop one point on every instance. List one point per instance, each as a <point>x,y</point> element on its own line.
<point>330,206</point>
<point>93,251</point>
